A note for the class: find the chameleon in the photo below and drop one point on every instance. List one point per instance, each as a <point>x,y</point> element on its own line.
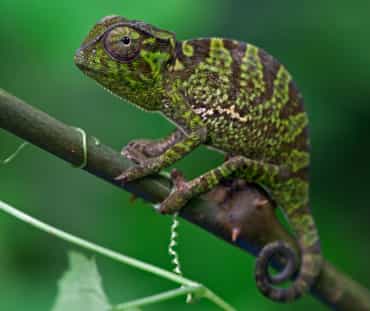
<point>229,95</point>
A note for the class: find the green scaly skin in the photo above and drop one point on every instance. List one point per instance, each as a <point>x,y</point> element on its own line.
<point>226,94</point>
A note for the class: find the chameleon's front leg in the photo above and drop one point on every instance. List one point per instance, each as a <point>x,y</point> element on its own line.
<point>174,153</point>
<point>142,149</point>
<point>250,170</point>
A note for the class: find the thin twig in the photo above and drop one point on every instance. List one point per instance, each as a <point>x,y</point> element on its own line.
<point>11,157</point>
<point>96,248</point>
<point>191,286</point>
<point>155,298</point>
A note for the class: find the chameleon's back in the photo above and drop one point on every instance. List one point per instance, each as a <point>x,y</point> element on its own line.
<point>246,98</point>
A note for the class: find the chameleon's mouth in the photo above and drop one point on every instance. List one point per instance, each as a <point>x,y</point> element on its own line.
<point>89,68</point>
<point>84,65</point>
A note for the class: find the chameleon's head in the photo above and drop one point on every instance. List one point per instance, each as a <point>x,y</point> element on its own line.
<point>128,58</point>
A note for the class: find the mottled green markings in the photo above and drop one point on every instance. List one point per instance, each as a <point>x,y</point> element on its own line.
<point>229,95</point>
<point>153,59</point>
<point>298,159</point>
<point>252,83</point>
<point>187,49</point>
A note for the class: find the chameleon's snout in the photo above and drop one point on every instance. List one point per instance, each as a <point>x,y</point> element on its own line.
<point>82,62</point>
<point>79,58</point>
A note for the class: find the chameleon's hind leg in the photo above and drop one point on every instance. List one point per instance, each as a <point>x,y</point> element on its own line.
<point>250,170</point>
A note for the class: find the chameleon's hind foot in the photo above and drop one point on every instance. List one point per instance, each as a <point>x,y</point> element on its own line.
<point>174,202</point>
<point>178,179</point>
<point>178,197</point>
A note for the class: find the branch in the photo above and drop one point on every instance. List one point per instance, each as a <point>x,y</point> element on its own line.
<point>215,212</point>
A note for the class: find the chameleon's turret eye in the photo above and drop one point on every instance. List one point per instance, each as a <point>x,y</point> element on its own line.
<point>122,43</point>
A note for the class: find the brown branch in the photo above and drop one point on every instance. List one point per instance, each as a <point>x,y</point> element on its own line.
<point>216,212</point>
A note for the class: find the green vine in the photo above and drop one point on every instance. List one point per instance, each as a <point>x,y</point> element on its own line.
<point>188,286</point>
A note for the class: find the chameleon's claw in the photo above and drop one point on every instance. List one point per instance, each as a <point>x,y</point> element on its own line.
<point>121,177</point>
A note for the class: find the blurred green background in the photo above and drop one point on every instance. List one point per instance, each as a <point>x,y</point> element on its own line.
<point>325,44</point>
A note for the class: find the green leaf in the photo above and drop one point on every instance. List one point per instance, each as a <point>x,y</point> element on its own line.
<point>80,287</point>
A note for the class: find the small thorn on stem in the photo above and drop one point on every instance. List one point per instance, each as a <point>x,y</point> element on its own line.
<point>261,202</point>
<point>235,234</point>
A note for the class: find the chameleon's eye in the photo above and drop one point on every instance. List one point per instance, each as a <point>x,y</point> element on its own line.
<point>126,40</point>
<point>122,43</point>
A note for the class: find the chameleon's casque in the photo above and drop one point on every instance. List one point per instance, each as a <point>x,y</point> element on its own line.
<point>226,94</point>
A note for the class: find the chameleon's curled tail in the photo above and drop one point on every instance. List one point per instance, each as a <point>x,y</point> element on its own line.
<point>310,264</point>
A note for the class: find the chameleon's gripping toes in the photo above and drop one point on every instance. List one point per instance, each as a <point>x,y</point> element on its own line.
<point>226,94</point>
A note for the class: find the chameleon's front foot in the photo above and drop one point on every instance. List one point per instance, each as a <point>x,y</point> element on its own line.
<point>137,150</point>
<point>147,167</point>
<point>178,197</point>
